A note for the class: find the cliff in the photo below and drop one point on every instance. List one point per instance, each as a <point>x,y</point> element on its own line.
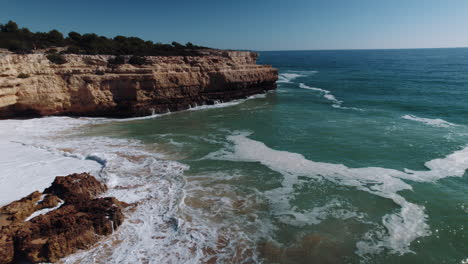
<point>30,85</point>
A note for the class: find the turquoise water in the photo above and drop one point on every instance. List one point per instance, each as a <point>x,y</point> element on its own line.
<point>358,157</point>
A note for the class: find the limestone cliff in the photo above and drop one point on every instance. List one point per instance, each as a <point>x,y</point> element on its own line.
<point>85,86</point>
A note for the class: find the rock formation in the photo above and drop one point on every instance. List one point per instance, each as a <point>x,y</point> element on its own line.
<point>85,85</point>
<point>80,220</point>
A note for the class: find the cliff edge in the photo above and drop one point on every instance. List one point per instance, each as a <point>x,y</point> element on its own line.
<point>31,85</point>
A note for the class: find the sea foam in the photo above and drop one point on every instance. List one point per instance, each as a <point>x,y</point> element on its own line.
<point>329,96</point>
<point>437,122</point>
<point>27,166</point>
<point>402,227</point>
<point>37,150</point>
<point>288,77</point>
<point>326,94</point>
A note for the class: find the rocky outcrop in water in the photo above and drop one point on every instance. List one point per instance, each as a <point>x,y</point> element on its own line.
<point>87,86</point>
<point>72,219</point>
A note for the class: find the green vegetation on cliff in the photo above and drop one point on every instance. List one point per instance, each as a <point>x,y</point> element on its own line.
<point>22,40</point>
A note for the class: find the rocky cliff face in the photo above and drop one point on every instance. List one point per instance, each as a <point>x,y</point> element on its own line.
<point>86,86</point>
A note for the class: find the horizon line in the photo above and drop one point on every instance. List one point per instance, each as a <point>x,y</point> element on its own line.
<point>353,49</point>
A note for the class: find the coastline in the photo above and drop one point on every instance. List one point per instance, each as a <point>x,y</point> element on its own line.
<point>356,185</point>
<point>50,147</point>
<point>87,85</point>
<point>39,149</point>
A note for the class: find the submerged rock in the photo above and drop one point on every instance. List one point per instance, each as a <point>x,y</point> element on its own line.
<point>77,224</point>
<point>311,248</point>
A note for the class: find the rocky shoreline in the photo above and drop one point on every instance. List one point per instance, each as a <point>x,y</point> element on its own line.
<point>69,215</point>
<point>65,218</point>
<point>31,85</point>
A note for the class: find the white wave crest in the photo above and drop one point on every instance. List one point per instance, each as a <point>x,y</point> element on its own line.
<point>217,104</point>
<point>326,94</point>
<point>288,77</point>
<point>402,227</point>
<point>329,96</point>
<point>437,122</point>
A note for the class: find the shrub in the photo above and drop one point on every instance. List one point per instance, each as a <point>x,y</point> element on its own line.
<point>17,46</point>
<point>23,75</point>
<point>72,50</point>
<point>74,36</point>
<point>50,51</point>
<point>116,61</point>
<point>55,37</point>
<point>56,58</point>
<point>138,60</point>
<point>177,45</point>
<point>9,27</point>
<point>22,40</point>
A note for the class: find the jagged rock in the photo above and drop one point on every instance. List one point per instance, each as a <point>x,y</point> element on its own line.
<point>79,223</point>
<point>49,201</point>
<point>76,187</point>
<point>6,246</point>
<point>52,236</point>
<point>19,210</point>
<point>85,86</point>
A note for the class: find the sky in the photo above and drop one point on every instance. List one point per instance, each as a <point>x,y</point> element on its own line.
<point>256,24</point>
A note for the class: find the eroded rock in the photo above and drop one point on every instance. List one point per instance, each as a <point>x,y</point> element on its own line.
<point>80,222</point>
<point>85,86</point>
<point>76,187</point>
<point>19,210</point>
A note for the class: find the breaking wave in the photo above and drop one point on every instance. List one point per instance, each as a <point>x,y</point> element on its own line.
<point>401,228</point>
<point>437,122</point>
<point>329,96</point>
<point>166,210</point>
<point>289,76</point>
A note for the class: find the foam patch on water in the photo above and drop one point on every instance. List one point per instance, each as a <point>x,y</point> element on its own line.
<point>327,95</point>
<point>437,122</point>
<point>171,213</point>
<point>288,77</point>
<point>332,209</point>
<point>217,104</point>
<point>158,219</point>
<point>27,167</point>
<point>401,228</point>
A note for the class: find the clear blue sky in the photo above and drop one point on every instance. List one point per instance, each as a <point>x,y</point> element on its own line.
<point>256,24</point>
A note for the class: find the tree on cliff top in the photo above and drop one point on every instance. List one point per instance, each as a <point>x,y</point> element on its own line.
<point>9,27</point>
<point>22,40</point>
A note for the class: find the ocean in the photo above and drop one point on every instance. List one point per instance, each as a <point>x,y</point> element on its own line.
<point>359,156</point>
